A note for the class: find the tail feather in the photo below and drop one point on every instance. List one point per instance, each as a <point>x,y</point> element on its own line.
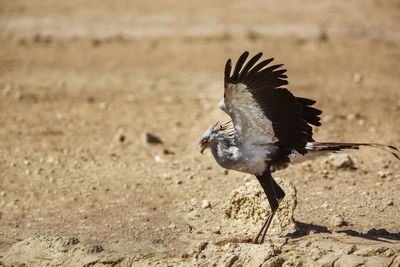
<point>329,146</point>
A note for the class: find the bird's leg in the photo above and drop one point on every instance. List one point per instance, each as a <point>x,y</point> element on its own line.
<point>274,194</point>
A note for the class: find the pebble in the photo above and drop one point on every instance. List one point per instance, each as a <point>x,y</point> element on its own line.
<point>357,78</point>
<point>130,98</point>
<point>390,203</point>
<point>7,89</point>
<point>341,161</point>
<point>167,176</point>
<point>119,137</point>
<point>205,204</point>
<point>350,116</point>
<point>324,205</point>
<point>103,105</point>
<point>338,221</point>
<point>199,246</point>
<point>327,118</point>
<point>383,174</point>
<point>150,138</point>
<point>95,249</point>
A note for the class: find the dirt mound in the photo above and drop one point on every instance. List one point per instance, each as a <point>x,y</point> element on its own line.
<point>248,207</point>
<point>41,250</point>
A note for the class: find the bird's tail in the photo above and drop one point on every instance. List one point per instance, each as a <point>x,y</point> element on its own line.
<point>332,147</point>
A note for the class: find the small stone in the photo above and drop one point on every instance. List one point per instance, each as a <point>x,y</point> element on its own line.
<point>158,158</point>
<point>205,204</point>
<point>216,230</point>
<point>389,253</point>
<point>150,138</point>
<point>199,246</point>
<point>103,105</point>
<point>338,221</point>
<point>184,255</point>
<point>357,78</point>
<point>59,116</point>
<point>130,98</point>
<point>95,249</point>
<point>327,118</point>
<point>383,174</point>
<point>324,205</point>
<point>341,161</point>
<point>179,182</point>
<point>390,203</point>
<point>119,137</point>
<point>347,250</point>
<point>167,176</point>
<point>7,89</point>
<point>350,117</point>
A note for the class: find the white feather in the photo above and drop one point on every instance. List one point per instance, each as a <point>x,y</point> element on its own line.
<point>250,123</point>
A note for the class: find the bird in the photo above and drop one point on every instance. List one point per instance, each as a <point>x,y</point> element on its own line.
<point>269,129</point>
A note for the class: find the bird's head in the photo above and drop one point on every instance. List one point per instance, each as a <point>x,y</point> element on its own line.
<point>210,135</point>
<point>206,139</point>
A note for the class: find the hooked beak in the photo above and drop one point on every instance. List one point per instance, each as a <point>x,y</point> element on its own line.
<point>202,148</point>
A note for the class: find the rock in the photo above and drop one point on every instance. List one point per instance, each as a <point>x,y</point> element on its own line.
<point>119,137</point>
<point>199,246</point>
<point>383,174</point>
<point>130,98</point>
<point>357,77</point>
<point>341,161</point>
<point>390,203</point>
<point>95,249</point>
<point>205,204</point>
<point>43,250</point>
<point>338,221</point>
<point>241,254</point>
<point>327,118</point>
<point>157,158</point>
<point>350,261</point>
<point>167,176</point>
<point>150,138</point>
<point>103,105</point>
<point>324,205</point>
<point>370,251</point>
<point>249,207</point>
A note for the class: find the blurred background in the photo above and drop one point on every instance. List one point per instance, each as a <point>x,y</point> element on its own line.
<point>83,83</point>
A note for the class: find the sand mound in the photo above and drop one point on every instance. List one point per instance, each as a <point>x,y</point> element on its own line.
<point>248,207</point>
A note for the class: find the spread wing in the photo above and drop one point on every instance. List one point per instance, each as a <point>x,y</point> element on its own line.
<point>264,112</point>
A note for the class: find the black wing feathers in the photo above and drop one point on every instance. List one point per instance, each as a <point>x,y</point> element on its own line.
<point>249,65</point>
<point>239,65</point>
<point>290,115</point>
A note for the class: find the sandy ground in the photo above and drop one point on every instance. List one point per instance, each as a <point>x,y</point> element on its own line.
<point>82,82</point>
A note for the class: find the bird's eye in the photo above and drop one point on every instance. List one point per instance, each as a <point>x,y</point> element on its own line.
<point>204,141</point>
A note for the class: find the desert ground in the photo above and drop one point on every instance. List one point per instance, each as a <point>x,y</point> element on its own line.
<point>84,83</point>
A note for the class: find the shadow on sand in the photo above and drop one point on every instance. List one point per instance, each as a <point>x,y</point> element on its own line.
<point>374,234</point>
